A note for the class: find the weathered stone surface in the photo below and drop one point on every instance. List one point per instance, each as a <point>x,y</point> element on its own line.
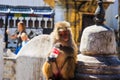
<point>98,40</point>
<point>9,68</point>
<point>98,59</point>
<point>31,58</point>
<point>9,53</point>
<point>1,56</point>
<point>36,47</point>
<point>98,67</point>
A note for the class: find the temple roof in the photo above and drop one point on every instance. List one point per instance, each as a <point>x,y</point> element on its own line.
<point>93,0</point>
<point>85,5</point>
<point>26,9</point>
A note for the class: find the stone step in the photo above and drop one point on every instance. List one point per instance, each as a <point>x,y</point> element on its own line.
<point>97,77</point>
<point>97,67</point>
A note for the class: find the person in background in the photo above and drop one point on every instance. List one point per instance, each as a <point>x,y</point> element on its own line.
<point>20,30</point>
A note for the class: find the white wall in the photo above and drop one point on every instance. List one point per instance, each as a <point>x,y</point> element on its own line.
<point>111,12</point>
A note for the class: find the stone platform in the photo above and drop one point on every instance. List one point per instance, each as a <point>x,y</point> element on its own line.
<point>98,67</point>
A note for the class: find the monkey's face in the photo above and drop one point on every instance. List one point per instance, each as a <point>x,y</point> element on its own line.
<point>63,34</point>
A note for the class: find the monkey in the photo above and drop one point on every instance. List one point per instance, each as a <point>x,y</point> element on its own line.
<point>61,60</point>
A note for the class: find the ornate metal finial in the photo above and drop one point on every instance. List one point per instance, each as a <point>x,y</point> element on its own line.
<point>99,13</point>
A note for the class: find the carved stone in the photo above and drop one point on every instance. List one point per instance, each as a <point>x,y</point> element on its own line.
<point>98,40</point>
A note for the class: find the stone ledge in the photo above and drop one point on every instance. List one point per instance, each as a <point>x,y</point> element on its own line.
<point>97,77</point>
<point>98,67</point>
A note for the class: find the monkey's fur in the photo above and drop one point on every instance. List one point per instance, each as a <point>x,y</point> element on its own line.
<point>67,57</point>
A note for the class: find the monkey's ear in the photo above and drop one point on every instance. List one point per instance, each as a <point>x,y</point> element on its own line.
<point>55,35</point>
<point>67,23</point>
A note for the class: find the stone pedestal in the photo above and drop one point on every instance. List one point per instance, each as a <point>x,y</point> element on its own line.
<point>98,59</point>
<point>31,57</point>
<point>98,68</point>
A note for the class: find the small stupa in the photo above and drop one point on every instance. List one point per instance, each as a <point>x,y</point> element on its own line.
<point>98,58</point>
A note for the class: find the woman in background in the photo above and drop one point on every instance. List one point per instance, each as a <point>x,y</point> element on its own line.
<point>20,30</point>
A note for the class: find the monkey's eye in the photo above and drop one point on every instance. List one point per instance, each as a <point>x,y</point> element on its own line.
<point>63,33</point>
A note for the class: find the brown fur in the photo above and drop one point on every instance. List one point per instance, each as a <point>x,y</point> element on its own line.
<point>67,71</point>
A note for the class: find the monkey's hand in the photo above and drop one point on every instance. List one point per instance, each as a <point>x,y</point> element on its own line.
<point>53,55</point>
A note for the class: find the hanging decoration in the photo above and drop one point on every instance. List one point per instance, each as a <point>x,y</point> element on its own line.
<point>17,21</point>
<point>30,23</point>
<point>36,23</point>
<point>1,23</point>
<point>24,21</point>
<point>42,23</point>
<point>17,15</point>
<point>11,23</point>
<point>49,23</point>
